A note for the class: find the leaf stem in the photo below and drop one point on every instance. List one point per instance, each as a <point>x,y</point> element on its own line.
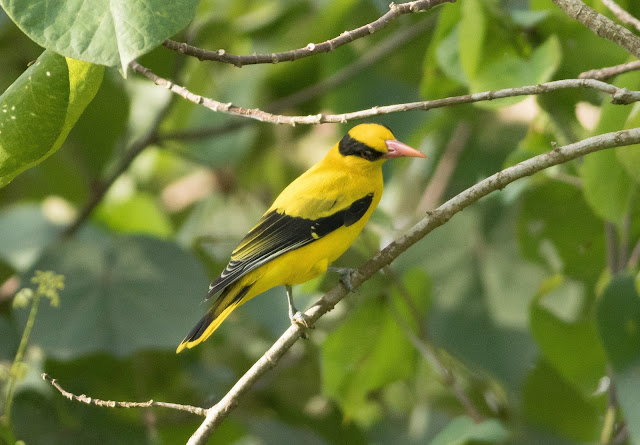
<point>17,361</point>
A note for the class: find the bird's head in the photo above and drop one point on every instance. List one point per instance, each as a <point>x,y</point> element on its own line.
<point>373,144</point>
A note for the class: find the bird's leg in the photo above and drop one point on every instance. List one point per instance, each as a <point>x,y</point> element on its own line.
<point>296,317</point>
<point>345,275</point>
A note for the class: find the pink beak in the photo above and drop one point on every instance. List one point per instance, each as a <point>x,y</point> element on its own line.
<point>397,149</point>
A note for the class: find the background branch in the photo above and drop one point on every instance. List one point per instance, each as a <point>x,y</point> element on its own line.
<point>113,404</point>
<point>601,25</point>
<point>621,14</point>
<point>395,11</point>
<point>605,73</point>
<point>436,218</point>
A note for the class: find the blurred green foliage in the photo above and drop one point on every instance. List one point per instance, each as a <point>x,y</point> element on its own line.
<point>514,293</point>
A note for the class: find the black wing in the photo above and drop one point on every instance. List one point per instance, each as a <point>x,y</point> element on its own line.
<point>277,233</point>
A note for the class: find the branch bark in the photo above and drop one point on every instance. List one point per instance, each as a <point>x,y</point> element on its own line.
<point>601,25</point>
<point>311,49</point>
<point>434,219</point>
<point>621,14</point>
<point>619,96</point>
<point>605,73</point>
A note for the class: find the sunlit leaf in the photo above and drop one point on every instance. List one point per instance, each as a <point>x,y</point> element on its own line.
<point>106,33</point>
<point>39,109</point>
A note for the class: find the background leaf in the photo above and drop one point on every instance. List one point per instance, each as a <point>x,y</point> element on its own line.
<point>619,324</point>
<point>121,295</point>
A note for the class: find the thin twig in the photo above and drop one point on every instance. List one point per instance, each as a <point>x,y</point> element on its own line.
<point>82,398</point>
<point>311,49</point>
<point>619,96</point>
<point>381,50</point>
<point>601,25</point>
<point>447,164</point>
<point>610,71</point>
<point>621,14</point>
<point>436,218</point>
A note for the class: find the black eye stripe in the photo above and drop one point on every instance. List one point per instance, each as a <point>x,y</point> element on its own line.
<point>351,147</point>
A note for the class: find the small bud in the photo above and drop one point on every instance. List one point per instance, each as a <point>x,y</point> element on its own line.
<point>22,298</point>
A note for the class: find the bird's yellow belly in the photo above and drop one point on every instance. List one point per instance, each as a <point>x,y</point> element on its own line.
<point>305,263</point>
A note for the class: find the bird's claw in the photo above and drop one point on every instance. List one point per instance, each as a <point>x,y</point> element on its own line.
<point>345,276</point>
<point>301,320</point>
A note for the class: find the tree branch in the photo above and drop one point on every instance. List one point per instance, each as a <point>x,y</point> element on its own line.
<point>436,218</point>
<point>621,14</point>
<point>381,50</point>
<point>619,96</point>
<point>112,404</point>
<point>605,73</point>
<point>311,49</point>
<point>601,25</point>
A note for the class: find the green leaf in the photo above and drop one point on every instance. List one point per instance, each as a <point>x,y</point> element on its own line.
<point>106,33</point>
<point>619,323</point>
<point>39,109</point>
<point>513,71</point>
<point>573,349</point>
<point>463,430</point>
<point>122,294</point>
<point>557,228</point>
<point>472,38</point>
<point>607,186</point>
<point>552,403</point>
<point>365,353</point>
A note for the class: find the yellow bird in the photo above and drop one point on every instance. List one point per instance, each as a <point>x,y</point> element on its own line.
<point>313,221</point>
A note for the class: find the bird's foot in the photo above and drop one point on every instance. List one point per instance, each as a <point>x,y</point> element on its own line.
<point>301,320</point>
<point>345,275</point>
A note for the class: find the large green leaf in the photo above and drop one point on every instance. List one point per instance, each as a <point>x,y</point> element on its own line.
<point>107,33</point>
<point>365,353</point>
<point>573,349</point>
<point>121,294</point>
<point>552,403</point>
<point>619,323</point>
<point>558,228</point>
<point>39,109</point>
<point>513,71</point>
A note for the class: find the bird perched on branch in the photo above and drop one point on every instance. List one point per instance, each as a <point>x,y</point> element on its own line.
<point>313,221</point>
